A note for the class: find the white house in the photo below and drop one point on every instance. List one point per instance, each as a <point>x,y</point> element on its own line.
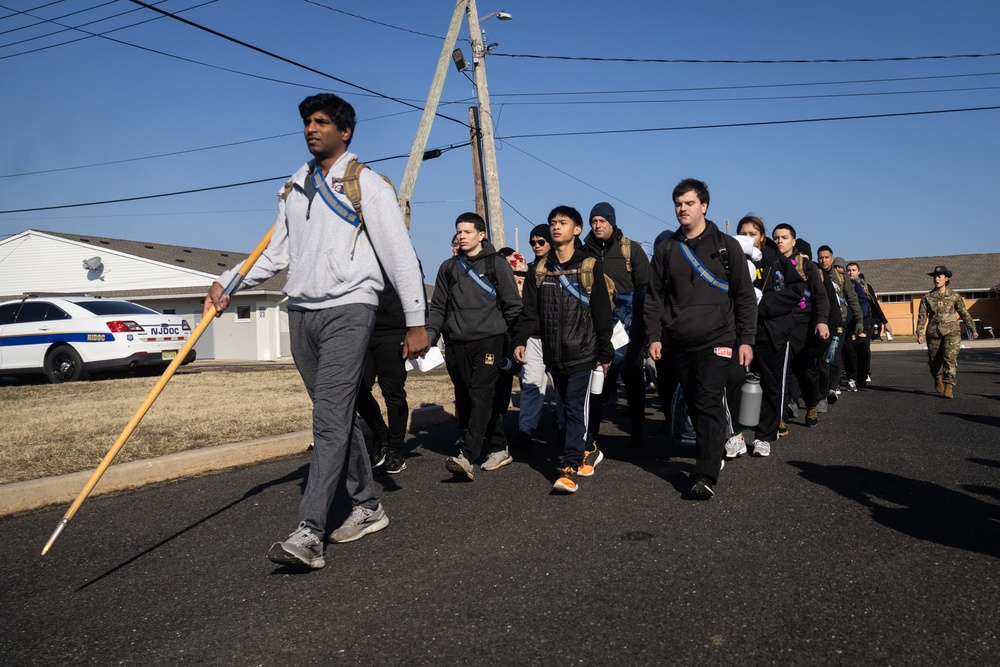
<point>167,278</point>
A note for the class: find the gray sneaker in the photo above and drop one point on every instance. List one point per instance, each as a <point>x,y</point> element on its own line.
<point>497,460</point>
<point>736,446</point>
<point>761,448</point>
<point>303,548</point>
<point>361,522</point>
<point>459,466</point>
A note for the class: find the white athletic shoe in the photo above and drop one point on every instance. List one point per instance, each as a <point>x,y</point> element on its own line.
<point>736,446</point>
<point>761,448</point>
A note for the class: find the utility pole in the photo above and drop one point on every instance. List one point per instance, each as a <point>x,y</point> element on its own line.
<point>477,164</point>
<point>493,203</point>
<point>430,110</point>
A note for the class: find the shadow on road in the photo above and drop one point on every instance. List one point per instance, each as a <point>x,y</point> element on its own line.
<point>922,510</point>
<point>298,474</point>
<point>986,420</point>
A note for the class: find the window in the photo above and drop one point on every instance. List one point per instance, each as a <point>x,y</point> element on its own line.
<point>7,312</point>
<point>243,312</point>
<point>40,311</point>
<point>111,307</point>
<point>895,298</point>
<point>979,295</point>
<point>169,311</point>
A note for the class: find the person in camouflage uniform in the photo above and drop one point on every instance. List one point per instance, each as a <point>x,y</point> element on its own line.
<point>940,310</point>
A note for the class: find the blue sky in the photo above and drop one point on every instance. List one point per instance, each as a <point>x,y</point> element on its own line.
<point>904,186</point>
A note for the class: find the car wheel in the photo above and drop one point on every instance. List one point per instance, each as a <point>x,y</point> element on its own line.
<point>63,364</point>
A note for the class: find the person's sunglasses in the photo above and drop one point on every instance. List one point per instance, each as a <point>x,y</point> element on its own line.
<point>539,242</point>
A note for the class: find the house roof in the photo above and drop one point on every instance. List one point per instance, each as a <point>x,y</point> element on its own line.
<point>909,275</point>
<point>212,262</point>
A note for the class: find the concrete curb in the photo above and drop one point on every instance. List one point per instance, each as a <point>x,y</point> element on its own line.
<point>35,494</point>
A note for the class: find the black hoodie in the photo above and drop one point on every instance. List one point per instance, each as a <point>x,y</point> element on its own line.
<point>688,313</point>
<point>461,310</point>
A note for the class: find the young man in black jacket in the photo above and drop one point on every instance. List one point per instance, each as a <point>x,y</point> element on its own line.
<point>475,305</point>
<point>576,335</point>
<point>700,312</point>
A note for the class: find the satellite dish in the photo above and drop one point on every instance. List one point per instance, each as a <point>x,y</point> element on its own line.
<point>94,266</point>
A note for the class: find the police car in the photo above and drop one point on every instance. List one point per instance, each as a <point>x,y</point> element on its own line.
<point>68,338</point>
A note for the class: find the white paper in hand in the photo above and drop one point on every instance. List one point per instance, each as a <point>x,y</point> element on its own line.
<point>619,337</point>
<point>433,359</point>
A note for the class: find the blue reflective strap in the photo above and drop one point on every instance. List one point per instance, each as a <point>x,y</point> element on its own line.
<point>476,278</point>
<point>572,289</point>
<point>326,194</point>
<point>701,270</point>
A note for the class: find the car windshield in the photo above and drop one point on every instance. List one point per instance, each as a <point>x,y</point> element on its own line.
<point>115,308</point>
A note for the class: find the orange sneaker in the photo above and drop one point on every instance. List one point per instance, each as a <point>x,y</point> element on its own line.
<point>566,483</point>
<point>591,458</point>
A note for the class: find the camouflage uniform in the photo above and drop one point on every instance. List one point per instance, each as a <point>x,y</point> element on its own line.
<point>940,313</point>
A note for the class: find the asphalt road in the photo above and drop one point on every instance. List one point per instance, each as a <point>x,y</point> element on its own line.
<point>872,539</point>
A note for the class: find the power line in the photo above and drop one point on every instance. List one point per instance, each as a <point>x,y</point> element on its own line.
<point>751,124</point>
<point>287,60</point>
<point>362,18</point>
<point>443,149</point>
<point>754,99</point>
<point>140,198</point>
<point>80,29</point>
<point>150,157</point>
<point>15,12</point>
<point>741,87</point>
<point>693,61</point>
<point>580,180</point>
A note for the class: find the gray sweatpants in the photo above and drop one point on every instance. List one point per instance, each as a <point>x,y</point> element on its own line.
<point>329,349</point>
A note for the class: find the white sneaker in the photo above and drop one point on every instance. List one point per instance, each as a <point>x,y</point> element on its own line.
<point>736,446</point>
<point>496,460</point>
<point>761,448</point>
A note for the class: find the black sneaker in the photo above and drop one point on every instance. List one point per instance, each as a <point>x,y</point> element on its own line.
<point>702,488</point>
<point>832,397</point>
<point>395,463</point>
<point>379,450</point>
<point>636,438</point>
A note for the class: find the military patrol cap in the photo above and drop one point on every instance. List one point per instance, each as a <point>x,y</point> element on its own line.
<point>940,270</point>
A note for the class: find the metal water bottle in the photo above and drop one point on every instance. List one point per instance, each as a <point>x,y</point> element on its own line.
<point>597,380</point>
<point>750,398</point>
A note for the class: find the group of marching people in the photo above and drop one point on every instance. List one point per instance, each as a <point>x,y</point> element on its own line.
<point>585,312</point>
<point>709,310</point>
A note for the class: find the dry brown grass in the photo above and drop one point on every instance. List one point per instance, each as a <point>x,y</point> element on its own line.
<point>57,429</point>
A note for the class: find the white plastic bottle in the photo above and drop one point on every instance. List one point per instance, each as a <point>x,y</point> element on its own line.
<point>597,380</point>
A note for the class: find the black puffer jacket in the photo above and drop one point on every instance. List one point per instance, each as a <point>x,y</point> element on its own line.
<point>574,337</point>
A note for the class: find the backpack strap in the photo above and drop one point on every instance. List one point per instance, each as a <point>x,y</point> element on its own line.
<point>352,188</point>
<point>478,280</point>
<point>626,245</point>
<point>541,271</point>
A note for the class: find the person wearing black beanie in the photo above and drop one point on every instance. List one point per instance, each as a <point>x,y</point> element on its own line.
<point>625,262</point>
<point>606,211</point>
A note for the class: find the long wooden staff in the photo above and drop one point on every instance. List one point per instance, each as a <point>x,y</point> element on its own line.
<point>234,285</point>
